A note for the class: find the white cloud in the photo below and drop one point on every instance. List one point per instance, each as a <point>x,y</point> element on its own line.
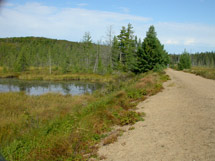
<point>170,42</point>
<point>189,41</point>
<point>35,8</point>
<point>35,19</point>
<point>124,9</point>
<point>190,36</point>
<point>82,4</point>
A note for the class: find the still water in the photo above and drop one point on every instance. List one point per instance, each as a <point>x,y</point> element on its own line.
<point>42,87</point>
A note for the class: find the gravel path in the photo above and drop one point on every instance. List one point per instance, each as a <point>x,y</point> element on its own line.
<point>179,124</point>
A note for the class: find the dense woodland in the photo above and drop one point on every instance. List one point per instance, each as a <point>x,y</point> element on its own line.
<point>204,59</point>
<point>20,53</point>
<point>124,52</point>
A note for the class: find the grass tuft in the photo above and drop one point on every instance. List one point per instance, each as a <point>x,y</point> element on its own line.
<point>58,127</point>
<point>205,72</point>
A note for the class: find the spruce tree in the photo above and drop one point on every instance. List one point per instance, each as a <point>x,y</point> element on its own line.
<point>115,53</point>
<point>185,61</point>
<point>65,65</point>
<point>21,63</point>
<point>87,44</point>
<point>127,48</point>
<point>152,54</point>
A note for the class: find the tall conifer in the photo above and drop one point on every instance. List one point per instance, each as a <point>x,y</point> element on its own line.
<point>152,54</point>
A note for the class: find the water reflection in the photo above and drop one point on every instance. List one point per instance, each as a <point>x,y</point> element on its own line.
<point>41,87</point>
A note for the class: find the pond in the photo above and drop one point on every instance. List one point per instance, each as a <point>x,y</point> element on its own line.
<point>42,87</point>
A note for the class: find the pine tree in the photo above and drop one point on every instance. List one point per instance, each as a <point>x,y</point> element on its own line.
<point>115,53</point>
<point>185,61</point>
<point>21,63</point>
<point>87,41</point>
<point>152,54</point>
<point>127,48</point>
<point>142,61</point>
<point>65,65</point>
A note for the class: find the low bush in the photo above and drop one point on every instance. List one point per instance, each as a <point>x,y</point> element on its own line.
<point>58,127</point>
<point>184,61</point>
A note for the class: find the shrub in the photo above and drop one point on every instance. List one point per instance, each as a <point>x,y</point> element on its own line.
<point>158,68</point>
<point>185,61</point>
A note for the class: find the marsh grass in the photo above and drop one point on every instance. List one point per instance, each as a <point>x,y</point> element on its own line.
<point>42,73</point>
<point>205,72</point>
<point>64,127</point>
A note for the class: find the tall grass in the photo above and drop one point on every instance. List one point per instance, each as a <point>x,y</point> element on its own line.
<point>205,72</point>
<point>42,73</point>
<point>58,127</point>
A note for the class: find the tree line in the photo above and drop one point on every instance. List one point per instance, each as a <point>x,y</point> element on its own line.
<point>205,59</point>
<point>124,52</point>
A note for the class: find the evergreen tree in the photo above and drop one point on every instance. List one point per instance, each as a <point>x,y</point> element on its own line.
<point>88,51</point>
<point>198,59</point>
<point>21,63</point>
<point>65,65</point>
<point>142,61</point>
<point>152,54</point>
<point>185,61</point>
<point>127,48</point>
<point>115,53</point>
<point>100,66</point>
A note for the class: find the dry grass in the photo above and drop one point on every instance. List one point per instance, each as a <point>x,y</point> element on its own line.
<point>42,73</point>
<point>131,128</point>
<point>205,72</point>
<point>64,127</point>
<point>111,138</point>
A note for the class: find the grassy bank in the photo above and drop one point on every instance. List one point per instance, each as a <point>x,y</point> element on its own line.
<point>40,73</point>
<point>57,127</point>
<point>205,72</point>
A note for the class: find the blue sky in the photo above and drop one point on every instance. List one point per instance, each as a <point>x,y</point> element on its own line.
<point>180,24</point>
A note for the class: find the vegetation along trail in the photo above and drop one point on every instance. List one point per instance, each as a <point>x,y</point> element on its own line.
<point>179,124</point>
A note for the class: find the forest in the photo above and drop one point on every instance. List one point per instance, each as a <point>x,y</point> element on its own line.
<point>203,59</point>
<point>69,127</point>
<point>198,63</point>
<point>124,52</point>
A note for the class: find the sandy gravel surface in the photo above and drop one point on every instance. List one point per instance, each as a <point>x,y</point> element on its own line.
<point>179,124</point>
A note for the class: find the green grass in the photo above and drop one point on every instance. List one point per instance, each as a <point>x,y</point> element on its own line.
<point>205,72</point>
<point>57,127</point>
<point>42,73</point>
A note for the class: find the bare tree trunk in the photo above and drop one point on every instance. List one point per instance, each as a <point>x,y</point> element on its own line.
<point>109,34</point>
<point>96,65</point>
<point>97,57</point>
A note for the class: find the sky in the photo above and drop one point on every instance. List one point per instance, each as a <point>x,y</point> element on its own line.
<point>180,24</point>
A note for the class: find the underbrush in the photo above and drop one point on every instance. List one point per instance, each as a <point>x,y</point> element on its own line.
<point>57,127</point>
<point>205,72</point>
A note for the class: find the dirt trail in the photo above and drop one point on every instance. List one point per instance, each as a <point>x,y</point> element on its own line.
<point>179,124</point>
